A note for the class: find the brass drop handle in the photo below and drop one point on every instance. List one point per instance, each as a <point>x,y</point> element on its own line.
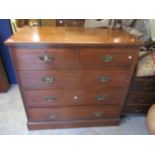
<point>138,110</point>
<point>148,86</point>
<point>100,97</point>
<point>107,58</point>
<point>142,100</point>
<point>50,98</point>
<point>51,116</point>
<point>104,78</point>
<point>98,114</point>
<point>45,58</point>
<point>48,79</point>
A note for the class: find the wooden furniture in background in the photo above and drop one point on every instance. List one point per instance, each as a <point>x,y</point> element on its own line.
<point>141,95</point>
<point>22,22</point>
<point>70,22</point>
<point>47,22</point>
<point>73,77</point>
<point>50,22</point>
<point>4,84</point>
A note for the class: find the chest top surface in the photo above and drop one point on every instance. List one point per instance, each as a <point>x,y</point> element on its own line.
<point>71,36</point>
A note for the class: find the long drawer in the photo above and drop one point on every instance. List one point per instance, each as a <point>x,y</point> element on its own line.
<point>66,114</point>
<point>143,85</point>
<point>62,97</point>
<point>136,109</point>
<point>100,79</point>
<point>140,98</point>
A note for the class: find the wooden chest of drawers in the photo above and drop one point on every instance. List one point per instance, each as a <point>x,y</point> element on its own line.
<point>141,95</point>
<point>73,77</point>
<point>4,83</point>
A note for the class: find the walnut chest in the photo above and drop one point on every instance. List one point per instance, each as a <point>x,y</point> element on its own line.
<point>73,77</point>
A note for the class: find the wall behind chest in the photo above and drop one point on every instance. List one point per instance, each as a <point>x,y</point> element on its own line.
<point>5,32</point>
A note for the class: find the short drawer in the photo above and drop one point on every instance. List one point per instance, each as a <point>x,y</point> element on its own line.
<point>74,79</point>
<point>99,58</point>
<point>140,98</point>
<point>136,109</point>
<point>54,58</point>
<point>62,97</point>
<point>142,86</point>
<point>78,113</point>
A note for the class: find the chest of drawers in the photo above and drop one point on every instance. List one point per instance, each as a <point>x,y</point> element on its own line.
<point>4,83</point>
<point>141,95</point>
<point>73,77</point>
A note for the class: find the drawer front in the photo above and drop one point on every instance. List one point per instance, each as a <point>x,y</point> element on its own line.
<point>136,109</point>
<point>74,79</point>
<point>66,114</point>
<point>39,59</point>
<point>62,97</point>
<point>140,98</point>
<point>143,86</point>
<point>99,58</point>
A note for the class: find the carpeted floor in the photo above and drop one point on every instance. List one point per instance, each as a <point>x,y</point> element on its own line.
<point>13,121</point>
